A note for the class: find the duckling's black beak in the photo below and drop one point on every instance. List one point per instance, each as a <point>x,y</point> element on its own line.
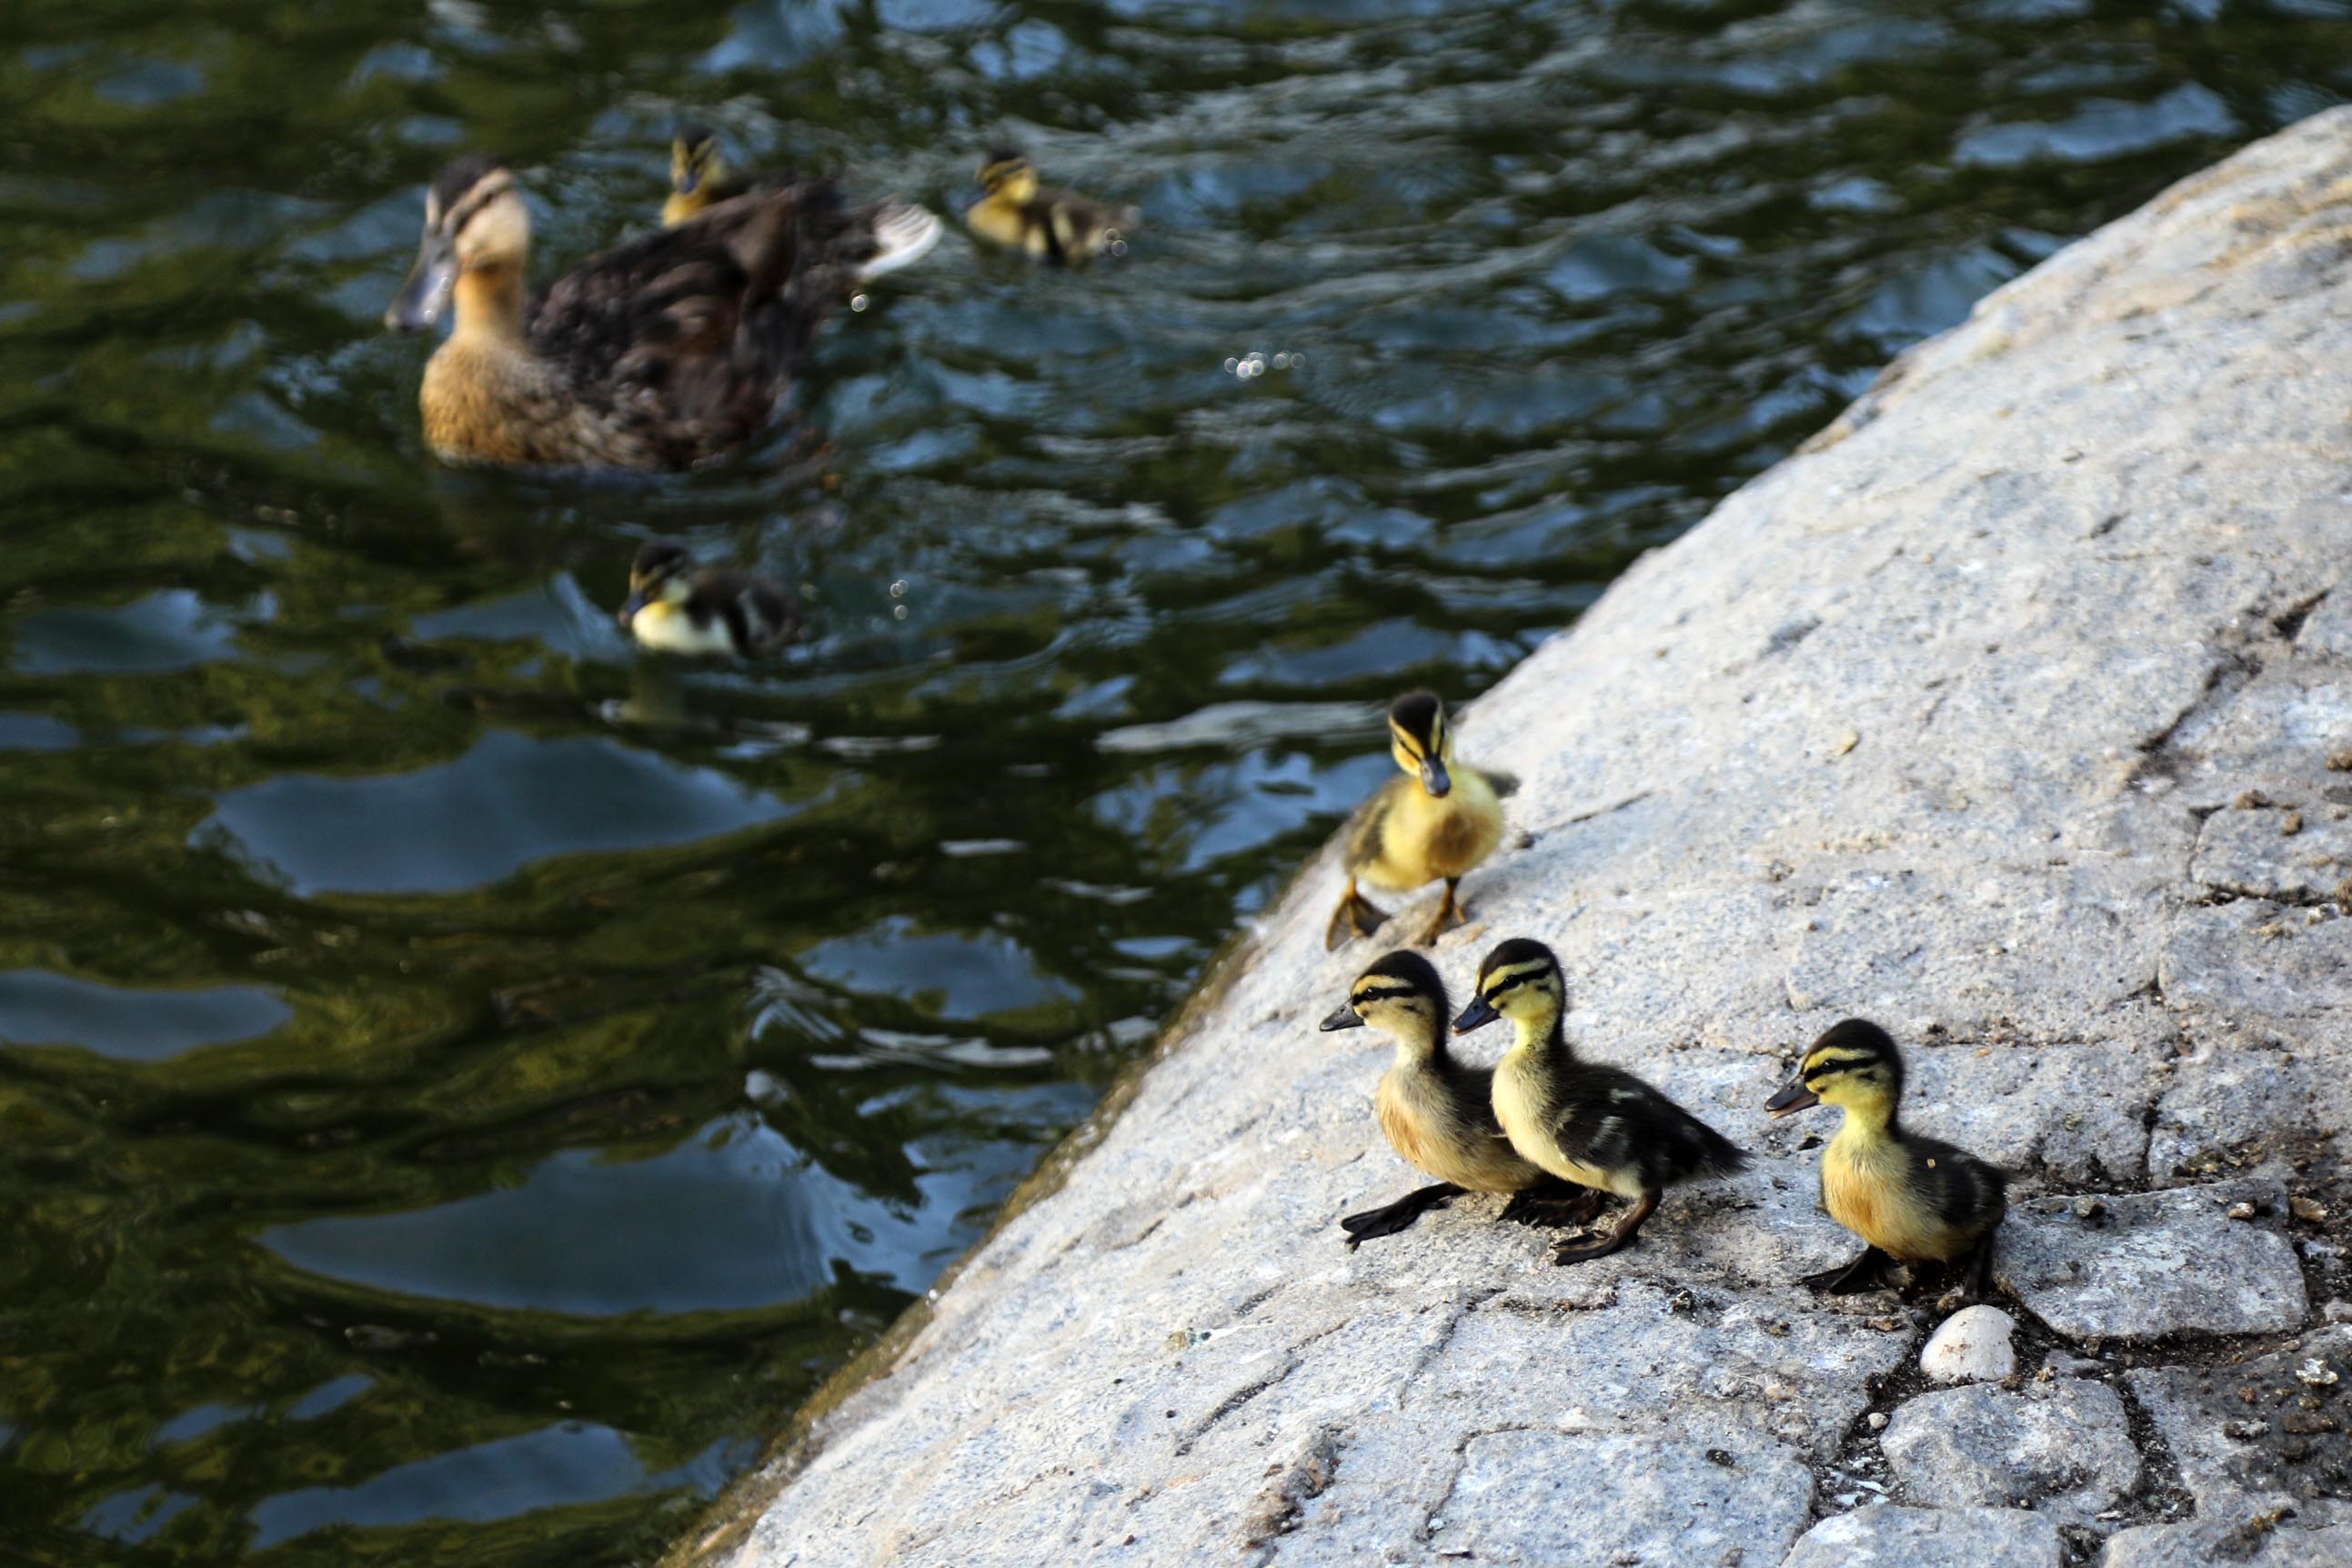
<point>628,612</point>
<point>1345,1018</point>
<point>687,181</point>
<point>1478,1015</point>
<point>1792,1099</point>
<point>1435,778</point>
<point>426,295</point>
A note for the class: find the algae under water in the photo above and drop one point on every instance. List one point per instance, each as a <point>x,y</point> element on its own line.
<point>459,1091</point>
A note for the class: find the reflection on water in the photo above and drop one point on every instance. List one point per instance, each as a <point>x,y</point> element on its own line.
<point>459,1087</point>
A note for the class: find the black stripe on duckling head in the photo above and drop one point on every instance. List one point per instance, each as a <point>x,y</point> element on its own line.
<point>1852,1060</point>
<point>1402,980</point>
<point>1511,972</point>
<point>659,563</point>
<point>1000,166</point>
<point>693,135</point>
<point>1417,739</point>
<point>693,157</point>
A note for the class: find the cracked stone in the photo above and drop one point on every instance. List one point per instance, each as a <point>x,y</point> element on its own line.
<point>2256,1541</point>
<point>2255,958</point>
<point>1885,1536</point>
<point>2254,855</point>
<point>2065,1447</point>
<point>2155,1264</point>
<point>2270,1428</point>
<point>1546,1497</point>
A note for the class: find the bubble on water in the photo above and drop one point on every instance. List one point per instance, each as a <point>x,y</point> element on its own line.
<point>899,589</point>
<point>1282,361</point>
<point>900,613</point>
<point>859,302</point>
<point>1232,365</point>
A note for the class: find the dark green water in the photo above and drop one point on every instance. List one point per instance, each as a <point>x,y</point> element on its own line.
<point>447,1117</point>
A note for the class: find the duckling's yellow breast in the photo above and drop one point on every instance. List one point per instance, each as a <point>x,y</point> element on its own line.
<point>1424,837</point>
<point>1529,1119</point>
<point>1004,221</point>
<point>1452,1142</point>
<point>1866,1187</point>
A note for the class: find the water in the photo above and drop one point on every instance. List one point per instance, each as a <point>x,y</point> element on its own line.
<point>459,1091</point>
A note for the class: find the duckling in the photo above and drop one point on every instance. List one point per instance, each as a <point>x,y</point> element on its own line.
<point>1437,1109</point>
<point>661,353</point>
<point>699,179</point>
<point>1911,1198</point>
<point>1050,223</point>
<point>1441,820</point>
<point>1595,1125</point>
<point>675,608</point>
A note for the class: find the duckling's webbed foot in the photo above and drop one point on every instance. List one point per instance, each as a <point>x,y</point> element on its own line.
<point>1449,914</point>
<point>1356,916</point>
<point>1551,1206</point>
<point>1974,1272</point>
<point>1390,1218</point>
<point>1616,1238</point>
<point>1867,1272</point>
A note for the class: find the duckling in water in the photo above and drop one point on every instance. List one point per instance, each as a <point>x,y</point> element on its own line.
<point>1051,225</point>
<point>661,353</point>
<point>1437,1109</point>
<point>1586,1123</point>
<point>1441,820</point>
<point>715,610</point>
<point>699,179</point>
<point>1910,1197</point>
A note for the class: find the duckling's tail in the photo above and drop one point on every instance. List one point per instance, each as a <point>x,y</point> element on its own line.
<point>1715,1155</point>
<point>903,233</point>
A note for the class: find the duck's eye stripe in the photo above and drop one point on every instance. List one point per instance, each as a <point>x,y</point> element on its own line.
<point>1823,1066</point>
<point>1382,993</point>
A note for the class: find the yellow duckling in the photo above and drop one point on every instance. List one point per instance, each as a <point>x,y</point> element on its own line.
<point>1439,820</point>
<point>662,354</point>
<point>1909,1198</point>
<point>1436,1110</point>
<point>714,611</point>
<point>699,179</point>
<point>1586,1123</point>
<point>1051,225</point>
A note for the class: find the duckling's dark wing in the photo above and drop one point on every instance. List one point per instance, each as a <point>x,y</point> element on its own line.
<point>1961,1190</point>
<point>1615,1120</point>
<point>691,334</point>
<point>761,615</point>
<point>1364,827</point>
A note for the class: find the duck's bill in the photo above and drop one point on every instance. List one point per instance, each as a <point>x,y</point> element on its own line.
<point>426,295</point>
<point>628,611</point>
<point>1477,1016</point>
<point>1792,1099</point>
<point>1345,1018</point>
<point>1435,778</point>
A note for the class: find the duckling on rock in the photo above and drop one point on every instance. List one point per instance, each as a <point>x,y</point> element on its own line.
<point>674,607</point>
<point>1051,225</point>
<point>1442,819</point>
<point>1438,1110</point>
<point>1910,1197</point>
<point>1586,1123</point>
<point>698,177</point>
<point>660,353</point>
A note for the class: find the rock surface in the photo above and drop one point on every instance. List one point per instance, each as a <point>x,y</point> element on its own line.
<point>2149,1263</point>
<point>2064,1448</point>
<point>1930,724</point>
<point>2263,1543</point>
<point>1971,1346</point>
<point>1882,1536</point>
<point>2270,1432</point>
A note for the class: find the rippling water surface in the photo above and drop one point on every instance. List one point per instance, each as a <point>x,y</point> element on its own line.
<point>458,1090</point>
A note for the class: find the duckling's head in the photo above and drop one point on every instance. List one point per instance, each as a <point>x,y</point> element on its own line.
<point>1519,980</point>
<point>693,159</point>
<point>1006,173</point>
<point>658,575</point>
<point>1854,1065</point>
<point>1420,740</point>
<point>474,222</point>
<point>1401,995</point>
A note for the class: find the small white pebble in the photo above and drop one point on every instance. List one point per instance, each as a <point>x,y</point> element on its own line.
<point>1878,1420</point>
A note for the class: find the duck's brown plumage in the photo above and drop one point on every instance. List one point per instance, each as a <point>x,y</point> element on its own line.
<point>660,353</point>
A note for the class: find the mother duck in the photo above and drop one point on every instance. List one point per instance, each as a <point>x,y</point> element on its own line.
<point>661,353</point>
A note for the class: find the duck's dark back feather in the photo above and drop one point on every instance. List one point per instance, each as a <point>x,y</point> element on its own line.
<point>690,335</point>
<point>1621,1121</point>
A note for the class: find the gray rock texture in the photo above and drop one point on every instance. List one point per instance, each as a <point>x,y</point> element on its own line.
<point>2248,1543</point>
<point>1932,724</point>
<point>2151,1264</point>
<point>1882,1536</point>
<point>2272,1432</point>
<point>2062,1449</point>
